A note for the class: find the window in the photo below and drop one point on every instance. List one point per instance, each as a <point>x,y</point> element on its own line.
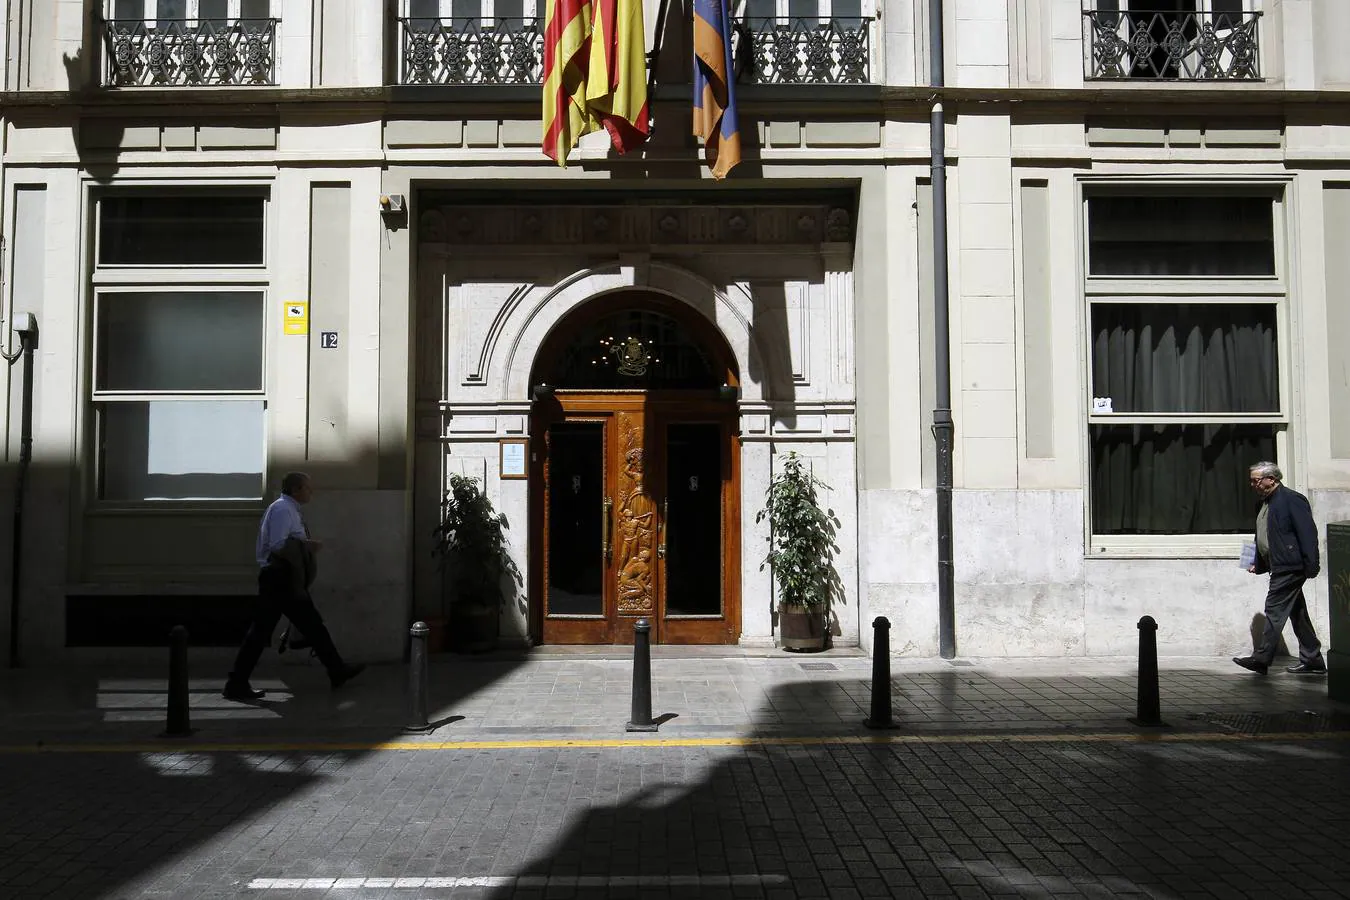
<point>163,13</point>
<point>1185,305</point>
<point>424,13</point>
<point>180,297</point>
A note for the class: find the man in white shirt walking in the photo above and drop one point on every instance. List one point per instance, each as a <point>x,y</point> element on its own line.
<point>286,561</point>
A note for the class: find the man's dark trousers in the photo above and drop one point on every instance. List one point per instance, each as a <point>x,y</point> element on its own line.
<point>1285,602</point>
<point>276,598</point>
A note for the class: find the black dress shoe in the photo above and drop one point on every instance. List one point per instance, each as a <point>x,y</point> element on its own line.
<point>1305,669</point>
<point>345,674</point>
<point>1254,665</point>
<point>242,692</point>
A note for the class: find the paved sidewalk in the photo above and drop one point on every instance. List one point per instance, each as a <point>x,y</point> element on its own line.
<point>588,694</point>
<point>1005,779</point>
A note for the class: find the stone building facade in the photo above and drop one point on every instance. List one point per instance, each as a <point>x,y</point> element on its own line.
<point>262,235</point>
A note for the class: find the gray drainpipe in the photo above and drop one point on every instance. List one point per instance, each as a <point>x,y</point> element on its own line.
<point>943,427</point>
<point>26,327</point>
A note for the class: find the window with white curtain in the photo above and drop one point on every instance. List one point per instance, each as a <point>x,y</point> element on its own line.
<point>180,297</point>
<point>1185,295</point>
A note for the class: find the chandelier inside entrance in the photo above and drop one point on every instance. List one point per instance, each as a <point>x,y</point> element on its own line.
<point>636,349</point>
<point>630,356</point>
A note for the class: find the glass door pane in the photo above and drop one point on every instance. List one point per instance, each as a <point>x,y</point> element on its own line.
<point>576,496</point>
<point>693,520</point>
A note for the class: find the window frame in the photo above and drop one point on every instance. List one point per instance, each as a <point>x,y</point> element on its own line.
<point>1272,290</point>
<point>106,280</point>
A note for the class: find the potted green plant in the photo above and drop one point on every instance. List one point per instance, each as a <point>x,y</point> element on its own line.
<point>801,554</point>
<point>477,570</point>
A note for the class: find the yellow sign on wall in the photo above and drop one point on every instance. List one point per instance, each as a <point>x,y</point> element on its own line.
<point>296,319</point>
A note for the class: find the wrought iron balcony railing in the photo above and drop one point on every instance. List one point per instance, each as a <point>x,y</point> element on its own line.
<point>1173,46</point>
<point>803,51</point>
<point>190,53</point>
<point>511,51</point>
<point>471,51</point>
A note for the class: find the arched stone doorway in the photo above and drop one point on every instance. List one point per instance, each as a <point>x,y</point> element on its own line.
<point>637,468</point>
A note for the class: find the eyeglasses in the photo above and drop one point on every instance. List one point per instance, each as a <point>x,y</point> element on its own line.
<point>1261,479</point>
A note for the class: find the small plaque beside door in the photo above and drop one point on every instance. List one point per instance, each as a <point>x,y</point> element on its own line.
<point>515,457</point>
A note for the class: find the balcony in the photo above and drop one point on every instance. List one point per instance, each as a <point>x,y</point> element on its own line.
<point>802,51</point>
<point>189,53</point>
<point>511,51</point>
<point>1171,46</point>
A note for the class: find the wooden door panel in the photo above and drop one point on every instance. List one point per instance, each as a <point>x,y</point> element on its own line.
<point>576,600</point>
<point>631,433</point>
<point>700,579</point>
<point>635,518</point>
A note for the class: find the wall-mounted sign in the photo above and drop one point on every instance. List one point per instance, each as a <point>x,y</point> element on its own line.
<point>514,452</point>
<point>296,317</point>
<point>328,340</point>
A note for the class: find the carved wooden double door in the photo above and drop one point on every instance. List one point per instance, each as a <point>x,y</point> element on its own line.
<point>638,518</point>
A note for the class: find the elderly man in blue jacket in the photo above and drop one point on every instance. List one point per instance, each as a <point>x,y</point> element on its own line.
<point>1286,547</point>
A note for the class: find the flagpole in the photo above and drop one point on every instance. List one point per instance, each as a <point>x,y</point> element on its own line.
<point>657,38</point>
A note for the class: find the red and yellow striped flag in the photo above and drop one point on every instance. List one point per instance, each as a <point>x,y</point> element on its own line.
<point>616,87</point>
<point>595,74</point>
<point>567,41</point>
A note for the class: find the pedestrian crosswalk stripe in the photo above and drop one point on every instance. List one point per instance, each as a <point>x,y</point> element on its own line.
<point>517,881</point>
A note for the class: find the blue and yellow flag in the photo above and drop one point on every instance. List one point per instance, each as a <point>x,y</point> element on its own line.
<point>714,89</point>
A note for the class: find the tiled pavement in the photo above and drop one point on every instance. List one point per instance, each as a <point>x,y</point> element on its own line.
<point>1005,779</point>
<point>559,694</point>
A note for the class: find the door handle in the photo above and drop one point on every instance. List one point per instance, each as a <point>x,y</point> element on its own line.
<point>661,547</point>
<point>605,546</point>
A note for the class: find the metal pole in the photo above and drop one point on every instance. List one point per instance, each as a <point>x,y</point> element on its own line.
<point>642,678</point>
<point>881,675</point>
<point>417,680</point>
<point>1148,707</point>
<point>943,427</point>
<point>28,342</point>
<point>178,724</point>
<point>653,57</point>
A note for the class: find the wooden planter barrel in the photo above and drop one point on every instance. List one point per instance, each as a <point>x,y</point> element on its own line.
<point>801,628</point>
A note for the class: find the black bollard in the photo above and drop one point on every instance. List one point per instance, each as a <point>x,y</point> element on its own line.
<point>1149,709</point>
<point>178,723</point>
<point>417,681</point>
<point>642,678</point>
<point>881,675</point>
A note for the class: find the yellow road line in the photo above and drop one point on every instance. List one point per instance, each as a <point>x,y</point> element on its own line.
<point>1144,737</point>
